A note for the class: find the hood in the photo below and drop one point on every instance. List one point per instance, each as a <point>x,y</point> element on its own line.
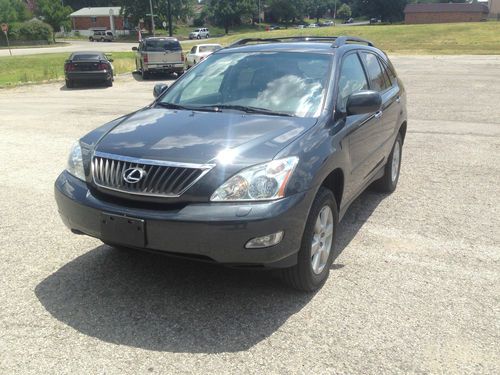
<point>198,137</point>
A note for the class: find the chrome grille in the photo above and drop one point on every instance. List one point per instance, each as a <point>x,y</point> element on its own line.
<point>159,178</point>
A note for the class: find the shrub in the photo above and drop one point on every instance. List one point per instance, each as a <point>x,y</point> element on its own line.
<point>33,30</point>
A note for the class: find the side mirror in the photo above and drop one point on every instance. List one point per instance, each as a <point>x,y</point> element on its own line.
<point>363,102</point>
<point>159,89</point>
<point>110,60</point>
<point>134,49</point>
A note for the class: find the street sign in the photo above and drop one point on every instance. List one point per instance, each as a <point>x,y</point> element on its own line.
<point>5,28</point>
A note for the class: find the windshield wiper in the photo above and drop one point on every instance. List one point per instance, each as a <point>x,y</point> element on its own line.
<point>248,109</point>
<point>178,106</point>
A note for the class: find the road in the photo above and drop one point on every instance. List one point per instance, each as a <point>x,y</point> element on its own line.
<point>72,46</point>
<point>416,288</point>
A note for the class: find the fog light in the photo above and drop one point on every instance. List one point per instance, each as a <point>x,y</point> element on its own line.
<point>265,241</point>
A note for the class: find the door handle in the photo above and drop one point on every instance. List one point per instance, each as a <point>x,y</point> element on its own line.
<point>378,114</point>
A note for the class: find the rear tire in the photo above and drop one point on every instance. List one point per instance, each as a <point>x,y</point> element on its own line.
<point>91,39</point>
<point>109,82</point>
<point>70,84</point>
<point>309,274</point>
<point>144,74</point>
<point>389,181</point>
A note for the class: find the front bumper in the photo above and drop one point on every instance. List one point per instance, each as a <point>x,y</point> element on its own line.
<point>211,231</point>
<point>89,76</point>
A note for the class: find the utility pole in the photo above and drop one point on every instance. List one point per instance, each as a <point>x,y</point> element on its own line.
<point>335,14</point>
<point>152,17</point>
<point>259,14</point>
<point>170,33</point>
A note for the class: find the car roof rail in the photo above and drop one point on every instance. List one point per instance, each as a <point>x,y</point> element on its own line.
<point>343,40</point>
<point>338,40</point>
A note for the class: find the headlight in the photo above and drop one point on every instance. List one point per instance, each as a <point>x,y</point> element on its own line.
<point>261,182</point>
<point>75,162</point>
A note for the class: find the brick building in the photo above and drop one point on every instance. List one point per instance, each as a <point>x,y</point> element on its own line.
<point>445,12</point>
<point>86,20</point>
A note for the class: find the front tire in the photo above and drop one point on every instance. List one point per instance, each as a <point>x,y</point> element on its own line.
<point>389,181</point>
<point>315,256</point>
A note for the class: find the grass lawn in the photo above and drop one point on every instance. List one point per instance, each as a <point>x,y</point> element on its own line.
<point>38,68</point>
<point>445,39</point>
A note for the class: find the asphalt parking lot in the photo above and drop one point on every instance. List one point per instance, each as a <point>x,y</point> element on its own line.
<point>416,288</point>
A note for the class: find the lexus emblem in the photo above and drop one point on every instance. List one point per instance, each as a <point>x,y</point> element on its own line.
<point>133,175</point>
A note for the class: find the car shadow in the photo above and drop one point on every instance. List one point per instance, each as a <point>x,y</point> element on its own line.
<point>159,303</point>
<point>154,77</point>
<point>85,86</point>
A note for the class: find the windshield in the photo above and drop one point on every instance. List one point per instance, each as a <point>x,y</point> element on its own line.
<point>208,48</point>
<point>160,45</point>
<point>282,82</point>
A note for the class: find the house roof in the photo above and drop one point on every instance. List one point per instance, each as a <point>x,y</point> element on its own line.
<point>96,12</point>
<point>446,8</point>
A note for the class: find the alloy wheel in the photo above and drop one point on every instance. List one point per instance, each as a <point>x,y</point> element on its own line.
<point>322,240</point>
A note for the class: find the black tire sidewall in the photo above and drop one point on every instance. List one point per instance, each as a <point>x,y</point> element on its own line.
<point>391,185</point>
<point>314,281</point>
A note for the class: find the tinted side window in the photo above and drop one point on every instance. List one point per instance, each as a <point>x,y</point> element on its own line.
<point>193,50</point>
<point>390,73</point>
<point>377,78</point>
<point>352,79</point>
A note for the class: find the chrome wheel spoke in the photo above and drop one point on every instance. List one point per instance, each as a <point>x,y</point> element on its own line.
<point>315,247</point>
<point>322,240</point>
<point>329,231</point>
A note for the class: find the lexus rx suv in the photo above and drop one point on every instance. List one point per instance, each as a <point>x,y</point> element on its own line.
<point>250,159</point>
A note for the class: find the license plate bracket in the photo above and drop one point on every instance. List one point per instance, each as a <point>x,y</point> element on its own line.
<point>123,230</point>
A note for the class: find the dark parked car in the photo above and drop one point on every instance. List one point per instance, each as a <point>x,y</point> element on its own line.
<point>88,67</point>
<point>250,159</point>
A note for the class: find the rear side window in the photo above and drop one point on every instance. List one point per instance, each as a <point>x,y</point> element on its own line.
<point>378,79</point>
<point>390,73</point>
<point>160,45</point>
<point>352,79</point>
<point>208,48</point>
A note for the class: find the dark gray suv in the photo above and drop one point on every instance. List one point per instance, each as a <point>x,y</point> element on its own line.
<point>250,159</point>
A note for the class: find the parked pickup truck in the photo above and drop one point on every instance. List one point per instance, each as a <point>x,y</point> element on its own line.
<point>159,55</point>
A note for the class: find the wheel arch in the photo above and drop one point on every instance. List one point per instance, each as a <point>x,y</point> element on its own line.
<point>335,182</point>
<point>402,130</point>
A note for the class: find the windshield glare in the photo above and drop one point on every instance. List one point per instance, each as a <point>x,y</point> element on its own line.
<point>285,82</point>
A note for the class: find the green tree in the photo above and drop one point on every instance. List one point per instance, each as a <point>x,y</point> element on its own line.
<point>287,10</point>
<point>344,11</point>
<point>13,11</point>
<point>135,10</point>
<point>388,10</point>
<point>55,14</point>
<point>230,12</point>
